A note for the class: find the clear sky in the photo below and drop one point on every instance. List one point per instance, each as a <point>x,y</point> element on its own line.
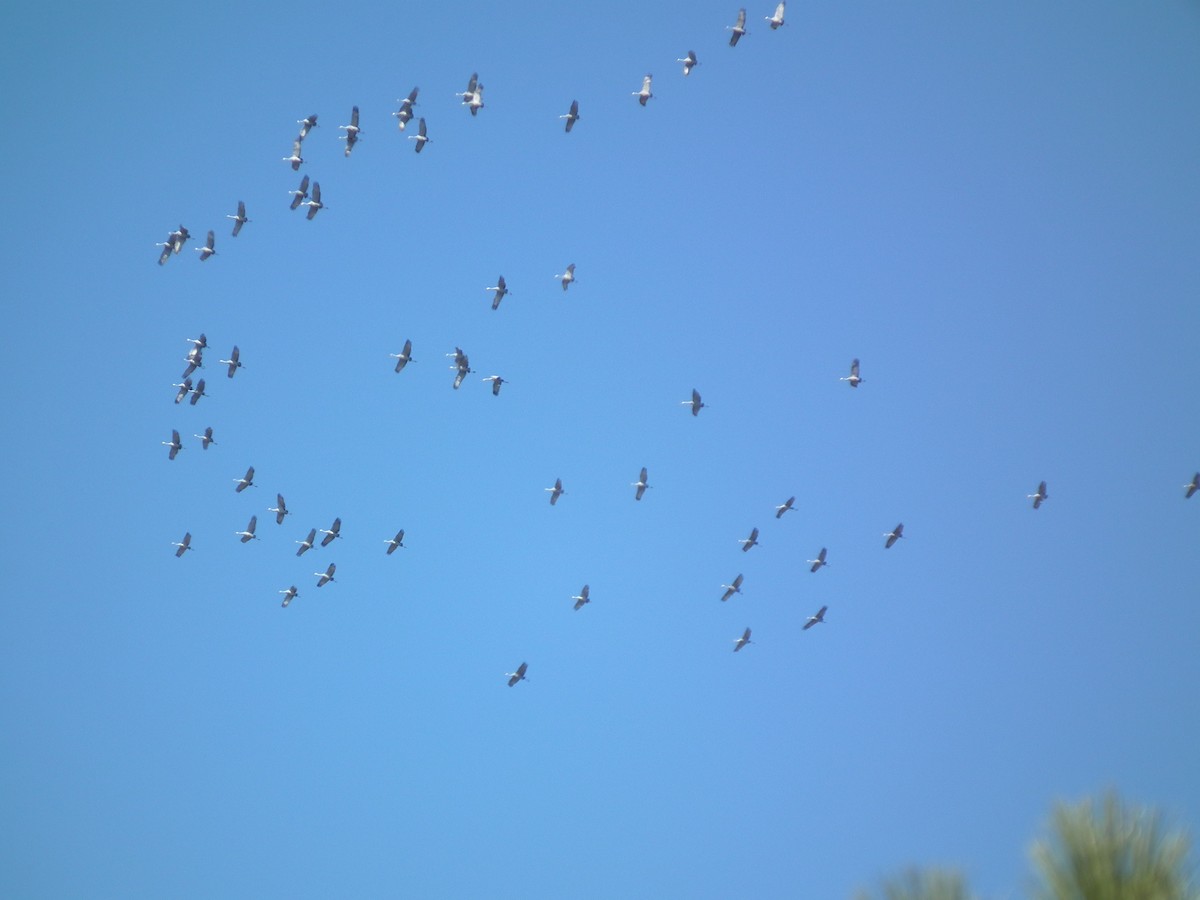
<point>993,206</point>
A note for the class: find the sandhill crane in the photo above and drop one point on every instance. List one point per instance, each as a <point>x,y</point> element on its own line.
<point>749,542</point>
<point>1192,486</point>
<point>519,675</point>
<point>352,131</point>
<point>556,491</point>
<point>420,137</point>
<point>173,244</point>
<point>496,381</point>
<point>194,360</point>
<point>183,546</point>
<point>689,62</point>
<point>245,481</point>
<point>323,578</point>
<point>572,116</point>
<point>206,438</point>
<point>815,619</point>
<point>818,562</point>
<point>644,94</point>
<point>894,535</point>
<point>738,28</point>
<point>307,543</point>
<point>462,366</point>
<point>777,19</point>
<point>331,533</point>
<point>739,643</point>
<point>166,252</point>
<point>404,357</point>
<point>306,125</point>
<point>501,289</point>
<point>567,277</point>
<point>174,444</point>
<point>240,219</point>
<point>248,534</point>
<point>301,193</point>
<point>469,94</point>
<point>234,362</point>
<point>397,541</point>
<point>280,509</point>
<point>208,249</point>
<point>184,387</point>
<point>582,598</point>
<point>197,392</point>
<point>785,506</point>
<point>404,114</point>
<point>853,378</point>
<point>199,343</point>
<point>314,204</point>
<point>289,595</point>
<point>295,159</point>
<point>458,378</point>
<point>641,484</point>
<point>694,403</point>
<point>731,589</point>
<point>1039,496</point>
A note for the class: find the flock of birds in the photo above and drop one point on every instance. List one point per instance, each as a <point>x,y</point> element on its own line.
<point>309,194</point>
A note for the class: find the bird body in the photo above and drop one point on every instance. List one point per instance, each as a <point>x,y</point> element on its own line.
<point>785,506</point>
<point>206,438</point>
<point>1039,496</point>
<point>776,20</point>
<point>741,642</point>
<point>240,219</point>
<point>307,543</point>
<point>208,249</point>
<point>352,131</point>
<point>567,277</point>
<point>174,444</point>
<point>694,403</point>
<point>731,589</point>
<point>641,484</point>
<point>689,62</point>
<point>248,534</point>
<point>738,28</point>
<point>572,116</point>
<point>234,362</point>
<point>183,546</point>
<point>420,137</point>
<point>853,377</point>
<point>314,203</point>
<point>185,387</point>
<point>306,125</point>
<point>582,598</point>
<point>556,491</point>
<point>815,619</point>
<point>818,562</point>
<point>1192,486</point>
<point>323,578</point>
<point>280,509</point>
<point>496,381</point>
<point>295,159</point>
<point>894,535</point>
<point>404,357</point>
<point>197,392</point>
<point>289,595</point>
<point>405,114</point>
<point>644,94</point>
<point>332,532</point>
<point>519,675</point>
<point>751,541</point>
<point>300,194</point>
<point>245,481</point>
<point>501,290</point>
<point>397,541</point>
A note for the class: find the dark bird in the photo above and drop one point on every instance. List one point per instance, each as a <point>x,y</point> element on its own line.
<point>582,598</point>
<point>404,357</point>
<point>818,562</point>
<point>814,619</point>
<point>240,219</point>
<point>894,535</point>
<point>248,534</point>
<point>183,546</point>
<point>334,531</point>
<point>323,578</point>
<point>1039,496</point>
<point>245,481</point>
<point>741,642</point>
<point>307,543</point>
<point>751,541</point>
<point>174,445</point>
<point>738,28</point>
<point>397,541</point>
<point>280,509</point>
<point>519,675</point>
<point>572,116</point>
<point>731,589</point>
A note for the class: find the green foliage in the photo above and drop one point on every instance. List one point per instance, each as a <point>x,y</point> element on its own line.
<point>923,884</point>
<point>1111,853</point>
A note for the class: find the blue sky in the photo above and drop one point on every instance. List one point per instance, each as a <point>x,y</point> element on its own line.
<point>994,208</point>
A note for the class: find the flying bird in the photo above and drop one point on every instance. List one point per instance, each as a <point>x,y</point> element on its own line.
<point>461,365</point>
<point>731,589</point>
<point>689,62</point>
<point>307,543</point>
<point>1192,486</point>
<point>741,642</point>
<point>334,531</point>
<point>641,484</point>
<point>194,360</point>
<point>306,125</point>
<point>280,509</point>
<point>496,381</point>
<point>240,219</point>
<point>501,288</point>
<point>248,534</point>
<point>556,491</point>
<point>323,578</point>
<point>174,445</point>
<point>572,116</point>
<point>206,438</point>
<point>397,541</point>
<point>738,28</point>
<point>818,562</point>
<point>295,159</point>
<point>694,403</point>
<point>853,378</point>
<point>300,194</point>
<point>644,94</point>
<point>197,392</point>
<point>185,387</point>
<point>314,203</point>
<point>894,535</point>
<point>567,277</point>
<point>785,506</point>
<point>519,675</point>
<point>582,598</point>
<point>420,137</point>
<point>289,595</point>
<point>352,131</point>
<point>777,19</point>
<point>234,362</point>
<point>404,114</point>
<point>404,357</point>
<point>199,343</point>
<point>245,481</point>
<point>475,103</point>
<point>184,546</point>
<point>749,542</point>
<point>815,619</point>
<point>1039,496</point>
<point>208,249</point>
<point>173,244</point>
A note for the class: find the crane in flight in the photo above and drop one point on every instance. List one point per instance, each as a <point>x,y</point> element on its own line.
<point>567,277</point>
<point>695,403</point>
<point>421,137</point>
<point>519,675</point>
<point>185,387</point>
<point>352,131</point>
<point>496,381</point>
<point>280,509</point>
<point>818,562</point>
<point>644,94</point>
<point>397,541</point>
<point>300,194</point>
<point>289,595</point>
<point>206,438</point>
<point>731,589</point>
<point>739,643</point>
<point>641,484</point>
<point>306,124</point>
<point>307,543</point>
<point>245,481</point>
<point>572,116</point>
<point>332,532</point>
<point>1038,497</point>
<point>853,377</point>
<point>198,392</point>
<point>738,28</point>
<point>776,20</point>
<point>173,445</point>
<point>323,578</point>
<point>815,619</point>
<point>234,362</point>
<point>209,248</point>
<point>295,159</point>
<point>314,203</point>
<point>404,357</point>
<point>556,491</point>
<point>689,62</point>
<point>501,290</point>
<point>248,534</point>
<point>785,506</point>
<point>751,541</point>
<point>405,114</point>
<point>894,535</point>
<point>240,219</point>
<point>183,546</point>
<point>1192,486</point>
<point>582,598</point>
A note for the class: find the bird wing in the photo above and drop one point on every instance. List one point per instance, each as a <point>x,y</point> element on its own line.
<point>307,543</point>
<point>854,369</point>
<point>421,129</point>
<point>237,225</point>
<point>354,117</point>
<point>166,251</point>
<point>253,524</point>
